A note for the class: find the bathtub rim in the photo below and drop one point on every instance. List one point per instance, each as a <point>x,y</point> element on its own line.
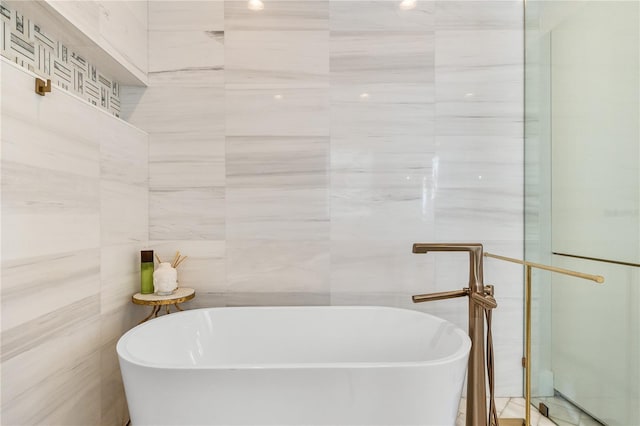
<point>462,352</point>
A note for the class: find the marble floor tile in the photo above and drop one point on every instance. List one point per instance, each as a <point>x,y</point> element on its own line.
<point>288,15</point>
<point>356,15</point>
<point>276,59</point>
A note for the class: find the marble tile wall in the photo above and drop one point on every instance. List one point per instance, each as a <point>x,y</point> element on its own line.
<point>313,142</point>
<point>69,254</point>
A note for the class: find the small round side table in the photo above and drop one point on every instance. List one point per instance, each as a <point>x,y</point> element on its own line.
<point>180,295</point>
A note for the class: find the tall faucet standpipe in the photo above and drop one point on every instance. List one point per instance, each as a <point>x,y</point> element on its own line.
<point>479,300</point>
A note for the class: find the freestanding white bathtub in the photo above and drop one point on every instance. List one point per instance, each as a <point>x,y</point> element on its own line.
<point>294,366</point>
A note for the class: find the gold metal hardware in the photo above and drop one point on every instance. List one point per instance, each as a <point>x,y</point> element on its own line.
<point>526,360</point>
<point>597,278</point>
<point>479,300</point>
<point>543,409</point>
<point>419,298</point>
<point>599,259</point>
<point>42,86</point>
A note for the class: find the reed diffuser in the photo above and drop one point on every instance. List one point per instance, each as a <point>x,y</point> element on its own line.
<point>165,278</point>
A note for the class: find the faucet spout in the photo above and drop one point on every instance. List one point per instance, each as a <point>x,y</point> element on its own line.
<point>475,259</point>
<point>480,299</point>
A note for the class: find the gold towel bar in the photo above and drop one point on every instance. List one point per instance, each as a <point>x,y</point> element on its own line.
<point>526,360</point>
<point>597,278</point>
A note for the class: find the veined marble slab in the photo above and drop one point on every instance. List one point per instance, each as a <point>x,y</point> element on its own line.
<point>181,15</point>
<point>205,267</point>
<point>273,59</point>
<point>123,225</point>
<point>119,274</point>
<point>478,15</point>
<point>181,160</point>
<point>277,213</point>
<point>177,57</point>
<point>35,286</point>
<point>277,112</point>
<point>378,267</point>
<point>277,266</point>
<point>174,110</point>
<point>296,15</point>
<point>187,214</point>
<point>361,57</point>
<point>277,162</point>
<point>376,15</point>
<point>124,152</point>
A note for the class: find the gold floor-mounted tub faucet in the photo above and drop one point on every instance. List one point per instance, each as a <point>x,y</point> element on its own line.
<point>480,300</point>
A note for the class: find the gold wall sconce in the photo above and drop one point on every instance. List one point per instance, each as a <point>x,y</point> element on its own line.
<point>42,87</point>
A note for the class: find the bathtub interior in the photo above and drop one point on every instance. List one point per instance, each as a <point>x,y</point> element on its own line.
<point>293,336</point>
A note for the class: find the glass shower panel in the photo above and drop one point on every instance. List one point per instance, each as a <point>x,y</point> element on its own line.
<point>582,184</point>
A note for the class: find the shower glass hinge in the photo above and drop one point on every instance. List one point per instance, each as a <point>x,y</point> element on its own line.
<point>524,362</point>
<point>543,409</point>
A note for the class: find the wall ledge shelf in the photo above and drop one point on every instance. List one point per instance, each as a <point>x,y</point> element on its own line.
<point>96,49</point>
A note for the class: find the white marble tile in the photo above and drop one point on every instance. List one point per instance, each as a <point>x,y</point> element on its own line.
<point>113,405</point>
<point>119,275</point>
<point>383,113</point>
<point>124,152</point>
<point>174,110</point>
<point>295,162</point>
<point>360,57</point>
<point>186,160</point>
<point>378,267</point>
<point>29,369</point>
<point>35,286</point>
<point>278,266</point>
<point>50,326</point>
<point>205,267</point>
<point>27,142</point>
<point>488,56</point>
<point>276,59</point>
<point>277,214</point>
<point>123,213</point>
<point>70,395</point>
<point>303,298</point>
<point>123,27</point>
<point>376,15</point>
<point>478,15</point>
<point>384,212</point>
<point>277,112</point>
<point>296,15</point>
<point>47,212</point>
<point>187,214</point>
<point>187,58</point>
<point>186,15</point>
